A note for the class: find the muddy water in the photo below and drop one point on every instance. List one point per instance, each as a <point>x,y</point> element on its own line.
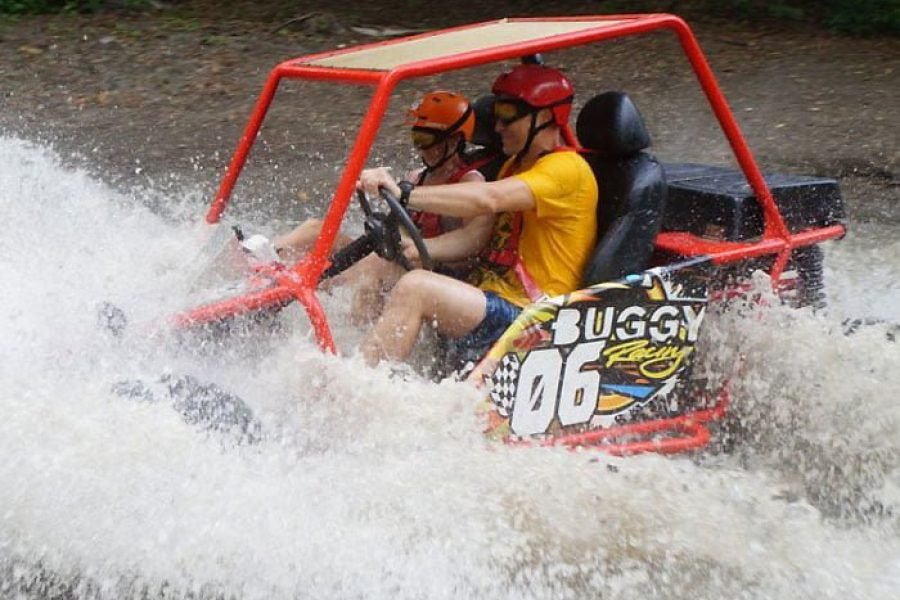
<point>372,484</point>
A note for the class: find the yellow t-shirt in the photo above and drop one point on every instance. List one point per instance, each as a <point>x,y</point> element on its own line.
<point>559,233</point>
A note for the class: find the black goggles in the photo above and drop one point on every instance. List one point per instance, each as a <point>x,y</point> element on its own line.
<point>424,138</point>
<point>509,111</point>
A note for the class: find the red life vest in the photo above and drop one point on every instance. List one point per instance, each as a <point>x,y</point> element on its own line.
<point>502,251</point>
<point>430,223</point>
<point>502,254</point>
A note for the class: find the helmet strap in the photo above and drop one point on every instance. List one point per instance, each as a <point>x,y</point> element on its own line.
<point>533,130</point>
<point>447,155</point>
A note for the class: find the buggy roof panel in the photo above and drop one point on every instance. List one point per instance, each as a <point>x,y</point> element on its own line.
<point>443,44</point>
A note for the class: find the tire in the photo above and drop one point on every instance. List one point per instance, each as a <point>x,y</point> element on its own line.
<point>808,287</point>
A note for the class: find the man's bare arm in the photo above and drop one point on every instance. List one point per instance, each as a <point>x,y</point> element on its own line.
<point>462,243</point>
<point>471,199</point>
<point>457,199</point>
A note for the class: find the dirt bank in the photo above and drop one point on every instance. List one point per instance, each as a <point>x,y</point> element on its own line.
<point>160,98</point>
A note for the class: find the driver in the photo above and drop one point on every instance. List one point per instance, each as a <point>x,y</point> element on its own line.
<point>442,123</point>
<point>545,200</point>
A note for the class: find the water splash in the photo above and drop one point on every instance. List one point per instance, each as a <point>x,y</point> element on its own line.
<point>369,484</point>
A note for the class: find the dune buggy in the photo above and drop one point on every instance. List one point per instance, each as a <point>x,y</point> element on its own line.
<point>594,367</point>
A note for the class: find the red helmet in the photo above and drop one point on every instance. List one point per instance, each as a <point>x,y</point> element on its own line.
<point>443,113</point>
<point>539,87</point>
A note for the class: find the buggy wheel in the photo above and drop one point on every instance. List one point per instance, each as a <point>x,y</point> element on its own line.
<point>808,286</point>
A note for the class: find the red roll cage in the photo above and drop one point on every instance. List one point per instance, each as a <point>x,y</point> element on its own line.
<point>384,65</point>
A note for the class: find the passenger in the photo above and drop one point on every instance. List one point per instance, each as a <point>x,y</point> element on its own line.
<point>442,125</point>
<point>545,199</point>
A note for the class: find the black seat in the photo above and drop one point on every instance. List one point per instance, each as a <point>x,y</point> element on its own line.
<point>488,156</point>
<point>631,182</point>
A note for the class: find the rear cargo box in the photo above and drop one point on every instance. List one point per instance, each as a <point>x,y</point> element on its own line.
<point>718,203</point>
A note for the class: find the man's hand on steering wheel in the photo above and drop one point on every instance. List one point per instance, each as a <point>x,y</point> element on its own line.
<point>372,181</point>
<point>385,229</point>
<point>410,252</point>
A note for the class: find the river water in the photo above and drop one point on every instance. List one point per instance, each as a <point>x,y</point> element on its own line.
<point>372,484</point>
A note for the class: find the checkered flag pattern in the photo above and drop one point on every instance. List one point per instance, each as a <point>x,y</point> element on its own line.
<point>503,383</point>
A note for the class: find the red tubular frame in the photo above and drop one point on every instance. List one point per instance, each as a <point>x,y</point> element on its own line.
<point>618,440</point>
<point>301,280</point>
<point>690,427</point>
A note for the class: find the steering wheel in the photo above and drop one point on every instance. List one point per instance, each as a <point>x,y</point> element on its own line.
<point>382,236</point>
<point>384,229</point>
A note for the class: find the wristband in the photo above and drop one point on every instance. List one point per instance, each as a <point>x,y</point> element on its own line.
<point>406,188</point>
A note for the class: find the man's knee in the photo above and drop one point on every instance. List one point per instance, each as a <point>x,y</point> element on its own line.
<point>415,280</point>
<point>414,287</point>
<point>310,225</point>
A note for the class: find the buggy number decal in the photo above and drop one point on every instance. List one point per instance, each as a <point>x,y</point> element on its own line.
<point>590,356</point>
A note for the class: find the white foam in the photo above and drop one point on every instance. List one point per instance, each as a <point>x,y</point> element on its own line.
<point>371,485</point>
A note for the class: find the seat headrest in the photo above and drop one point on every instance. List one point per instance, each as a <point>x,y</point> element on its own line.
<point>485,135</point>
<point>611,125</point>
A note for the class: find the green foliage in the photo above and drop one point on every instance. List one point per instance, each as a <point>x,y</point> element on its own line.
<point>861,17</point>
<point>849,16</point>
<point>865,16</point>
<point>785,12</point>
<point>858,17</point>
<point>20,7</point>
<point>23,7</point>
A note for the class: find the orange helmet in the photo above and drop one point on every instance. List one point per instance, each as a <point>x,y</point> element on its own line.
<point>439,115</point>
